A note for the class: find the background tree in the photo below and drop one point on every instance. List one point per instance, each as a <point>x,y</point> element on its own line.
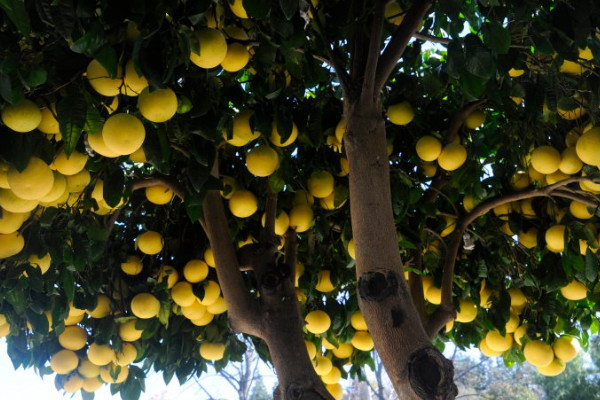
<point>414,163</point>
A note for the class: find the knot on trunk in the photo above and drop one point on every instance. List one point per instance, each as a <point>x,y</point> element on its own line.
<point>377,285</point>
<point>431,375</point>
<point>300,390</point>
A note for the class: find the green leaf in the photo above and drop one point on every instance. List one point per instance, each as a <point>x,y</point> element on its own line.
<point>193,206</point>
<point>16,12</point>
<point>39,322</point>
<point>91,42</point>
<point>198,175</point>
<point>257,8</point>
<point>107,56</point>
<point>496,37</point>
<point>285,123</point>
<point>113,187</point>
<point>93,120</point>
<point>591,266</point>
<point>289,8</point>
<point>36,77</point>
<point>71,112</point>
<point>68,283</point>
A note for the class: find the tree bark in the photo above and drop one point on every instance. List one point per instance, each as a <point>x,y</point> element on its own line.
<point>416,368</point>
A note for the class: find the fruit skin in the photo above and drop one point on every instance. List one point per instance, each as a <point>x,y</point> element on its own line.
<point>588,147</point>
<point>123,133</point>
<point>357,321</point>
<point>107,373</point>
<point>133,84</point>
<point>243,203</point>
<point>579,210</point>
<point>564,349</point>
<point>575,290</point>
<point>301,218</point>
<point>64,361</point>
<point>145,306</point>
<point>275,137</point>
<point>317,322</point>
<point>100,79</point>
<point>262,161</point>
<point>320,184</point>
<point>468,311</point>
<point>73,338</point>
<point>159,194</point>
<point>32,183</point>
<point>48,123</point>
<point>22,117</point>
<point>132,266</point>
<point>160,105</point>
<point>496,342</point>
<point>237,8</point>
<point>150,242</point>
<point>70,165</point>
<point>212,48</point>
<point>182,294</point>
<point>486,351</point>
<point>195,271</point>
<point>475,119</point>
<point>362,341</point>
<point>452,157</point>
<point>128,332</point>
<point>11,244</point>
<point>324,282</point>
<point>401,113</point>
<point>237,57</point>
<point>242,131</point>
<point>428,148</point>
<point>555,238</point>
<point>545,159</point>
<point>212,351</point>
<point>538,353</point>
<point>556,367</point>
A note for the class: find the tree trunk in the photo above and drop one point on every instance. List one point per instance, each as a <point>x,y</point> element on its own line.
<point>416,368</point>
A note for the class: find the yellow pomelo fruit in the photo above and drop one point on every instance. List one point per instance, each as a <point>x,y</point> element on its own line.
<point>282,223</point>
<point>102,307</point>
<point>132,266</point>
<point>238,9</point>
<point>571,67</point>
<point>87,369</point>
<point>100,354</point>
<point>486,351</point>
<point>170,274</point>
<point>301,218</point>
<point>362,341</point>
<point>538,353</point>
<point>73,384</point>
<point>194,312</point>
<point>11,244</point>
<point>580,210</point>
<point>111,105</point>
<point>429,148</point>
<point>212,48</point>
<point>332,377</point>
<point>311,349</point>
<point>123,133</point>
<point>517,298</point>
<point>357,321</point>
<point>400,114</point>
<point>575,290</point>
<point>527,208</point>
<point>569,161</point>
<point>212,290</point>
<point>96,142</point>
<point>275,137</point>
<point>588,147</point>
<point>204,320</point>
<point>133,84</point>
<point>556,177</point>
<point>515,73</point>
<point>324,281</point>
<point>262,161</point>
<point>209,258</point>
<point>317,322</point>
<point>212,351</point>
<point>74,311</point>
<point>344,167</point>
<point>243,203</point>
<point>320,184</point>
<point>32,183</point>
<point>545,159</point>
<point>218,307</point>
<point>69,165</point>
<point>535,175</point>
<point>73,338</point>
<point>475,120</point>
<point>48,123</point>
<point>340,129</point>
<point>555,238</point>
<point>519,333</point>
<point>101,81</point>
<point>299,270</point>
<point>182,294</point>
<point>128,331</point>
<point>237,57</point>
<point>556,367</point>
<point>127,355</point>
<point>59,189</point>
<point>76,183</point>
<point>512,324</point>
<point>322,365</point>
<point>519,180</point>
<point>159,194</point>
<point>74,320</point>
<point>159,105</point>
<point>10,222</point>
<point>144,306</point>
<point>242,132</point>
<point>92,384</point>
<point>195,271</point>
<point>42,263</point>
<point>229,186</point>
<point>496,342</point>
<point>427,282</point>
<point>64,361</point>
<point>528,238</point>
<point>138,156</point>
<point>24,116</point>
<point>335,390</point>
<point>108,373</point>
<point>343,350</point>
<point>394,13</point>
<point>468,311</point>
<point>505,228</point>
<point>150,242</point>
<point>450,225</point>
<point>564,349</point>
<point>4,330</point>
<point>571,115</point>
<point>434,295</point>
<point>339,196</point>
<point>452,157</point>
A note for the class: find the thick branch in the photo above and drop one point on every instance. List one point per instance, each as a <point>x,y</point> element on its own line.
<point>368,80</point>
<point>459,118</point>
<point>415,285</point>
<point>399,41</point>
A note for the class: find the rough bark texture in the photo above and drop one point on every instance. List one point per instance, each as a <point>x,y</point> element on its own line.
<point>415,369</point>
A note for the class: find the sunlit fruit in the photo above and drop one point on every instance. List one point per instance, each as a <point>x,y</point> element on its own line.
<point>570,163</point>
<point>496,342</point>
<point>69,165</point>
<point>138,156</point>
<point>512,324</point>
<point>33,182</point>
<point>212,48</point>
<point>357,321</point>
<point>394,13</point>
<point>11,244</point>
<point>242,132</point>
<point>333,376</point>
<point>486,351</point>
<point>275,137</point>
<point>575,290</point>
<point>73,384</point>
<point>73,338</point>
<point>123,133</point>
<point>195,271</point>
<point>243,203</point>
<point>580,210</point>
<point>96,142</point>
<point>237,57</point>
<point>324,283</point>
<point>204,320</point>
<point>114,374</point>
<point>102,308</point>
<point>212,351</point>
<point>128,332</point>
<point>556,367</point>
<point>515,73</point>
<point>317,322</point>
<point>219,306</point>
<point>362,341</point>
<point>564,349</point>
<point>194,312</point>
<point>555,238</point>
<point>320,184</point>
<point>24,116</point>
<point>282,223</point>
<point>452,157</point>
<point>528,238</point>
<point>519,333</point>
<point>434,295</point>
<point>150,242</point>
<point>10,222</point>
<point>588,147</point>
<point>262,161</point>
<point>182,294</point>
<point>43,263</point>
<point>90,385</point>
<point>212,291</point>
<point>517,297</point>
<point>87,369</point>
<point>475,120</point>
<point>169,274</point>
<point>467,312</point>
<point>237,8</point>
<point>343,350</point>
<point>428,148</point>
<point>545,159</point>
<point>159,194</point>
<point>311,349</point>
<point>64,361</point>
<point>158,105</point>
<point>127,355</point>
<point>336,199</point>
<point>538,353</point>
<point>145,305</point>
<point>132,266</point>
<point>100,79</point>
<point>49,123</point>
<point>301,218</point>
<point>76,183</point>
<point>400,114</point>
<point>209,258</point>
<point>133,83</point>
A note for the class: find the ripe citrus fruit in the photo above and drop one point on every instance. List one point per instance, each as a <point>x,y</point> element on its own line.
<point>588,147</point>
<point>194,312</point>
<point>320,184</point>
<point>42,263</point>
<point>229,186</point>
<point>182,294</point>
<point>517,298</point>
<point>76,183</point>
<point>515,73</point>
<point>538,353</point>
<point>138,156</point>
<point>322,365</point>
<point>101,81</point>
<point>275,137</point>
<point>324,283</point>
<point>570,163</point>
<point>133,84</point>
<point>209,257</point>
<point>64,361</point>
<point>335,390</point>
<point>475,119</point>
<point>242,132</point>
<point>301,218</point>
<point>335,200</point>
<point>237,57</point>
<point>212,290</point>
<point>204,320</point>
<point>332,376</point>
<point>486,351</point>
<point>212,48</point>
<point>123,133</point>
<point>528,238</point>
<point>73,338</point>
<point>555,238</point>
<point>48,123</point>
<point>87,369</point>
<point>32,183</point>
<point>452,157</point>
<point>144,306</point>
<point>10,222</point>
<point>575,290</point>
<point>580,210</point>
<point>545,159</point>
<point>96,142</point>
<point>317,322</point>
<point>102,308</point>
<point>311,349</point>
<point>434,295</point>
<point>512,324</point>
<point>132,266</point>
<point>73,384</point>
<point>496,342</point>
<point>340,129</point>
<point>519,333</point>
<point>212,351</point>
<point>127,355</point>
<point>429,148</point>
<point>343,350</point>
<point>90,385</point>
<point>468,311</point>
<point>150,242</point>
<point>556,367</point>
<point>108,373</point>
<point>11,244</point>
<point>262,161</point>
<point>159,105</point>
<point>195,271</point>
<point>243,203</point>
<point>100,354</point>
<point>394,13</point>
<point>237,8</point>
<point>128,331</point>
<point>170,274</point>
<point>362,341</point>
<point>400,114</point>
<point>159,194</point>
<point>357,321</point>
<point>24,116</point>
<point>564,349</point>
<point>69,165</point>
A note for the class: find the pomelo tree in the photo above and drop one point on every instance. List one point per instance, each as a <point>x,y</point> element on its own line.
<point>324,177</point>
